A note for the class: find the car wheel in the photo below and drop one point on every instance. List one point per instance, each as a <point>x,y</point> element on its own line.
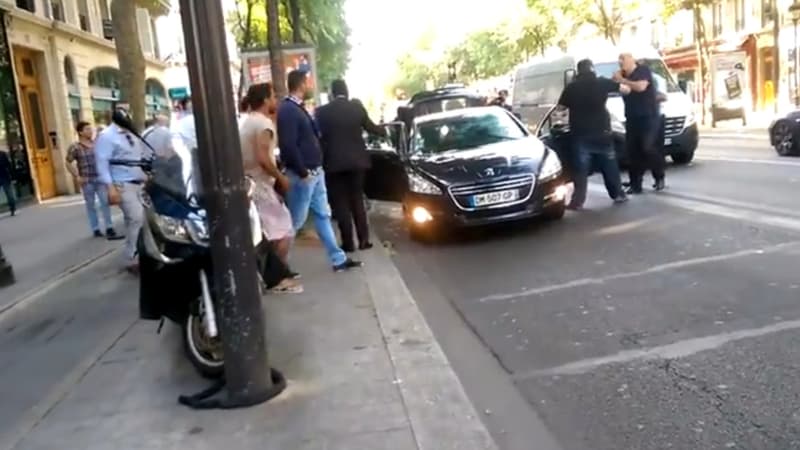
<point>783,139</point>
<point>683,158</point>
<point>554,213</point>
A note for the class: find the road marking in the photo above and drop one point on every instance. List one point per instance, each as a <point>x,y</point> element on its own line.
<point>680,349</point>
<point>625,275</point>
<point>732,203</point>
<point>771,162</point>
<point>715,209</point>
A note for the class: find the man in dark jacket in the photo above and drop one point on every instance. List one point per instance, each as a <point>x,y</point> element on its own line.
<point>345,160</point>
<point>6,178</point>
<point>298,140</point>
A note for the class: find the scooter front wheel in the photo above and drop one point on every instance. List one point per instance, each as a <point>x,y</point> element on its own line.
<point>204,352</point>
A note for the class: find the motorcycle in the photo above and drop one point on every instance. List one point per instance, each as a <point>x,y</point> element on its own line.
<point>176,278</point>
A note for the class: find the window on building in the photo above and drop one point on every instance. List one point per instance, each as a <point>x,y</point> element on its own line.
<point>145,31</point>
<point>83,15</point>
<point>766,12</point>
<point>27,5</point>
<point>717,19</point>
<point>57,8</point>
<point>740,16</point>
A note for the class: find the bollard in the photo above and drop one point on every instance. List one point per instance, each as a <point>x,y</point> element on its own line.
<point>6,271</point>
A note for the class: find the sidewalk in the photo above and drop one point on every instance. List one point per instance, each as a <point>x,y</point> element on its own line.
<point>44,242</point>
<point>364,373</point>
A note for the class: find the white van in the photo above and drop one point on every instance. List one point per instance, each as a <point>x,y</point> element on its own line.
<point>538,85</point>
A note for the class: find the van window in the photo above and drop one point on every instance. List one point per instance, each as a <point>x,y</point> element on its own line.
<point>539,89</point>
<point>656,66</point>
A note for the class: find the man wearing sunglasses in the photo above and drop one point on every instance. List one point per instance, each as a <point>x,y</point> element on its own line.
<point>117,142</point>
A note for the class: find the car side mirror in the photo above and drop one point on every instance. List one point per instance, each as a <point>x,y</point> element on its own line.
<point>683,85</point>
<point>569,74</point>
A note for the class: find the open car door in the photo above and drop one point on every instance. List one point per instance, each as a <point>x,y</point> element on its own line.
<point>553,131</point>
<point>387,179</point>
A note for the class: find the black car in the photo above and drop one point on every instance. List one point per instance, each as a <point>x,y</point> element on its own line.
<point>468,167</point>
<point>784,134</point>
<point>447,98</point>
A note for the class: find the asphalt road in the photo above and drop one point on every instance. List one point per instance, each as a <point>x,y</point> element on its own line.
<point>672,321</point>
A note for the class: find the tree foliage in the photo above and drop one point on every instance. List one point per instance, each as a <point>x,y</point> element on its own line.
<point>484,54</point>
<point>317,22</point>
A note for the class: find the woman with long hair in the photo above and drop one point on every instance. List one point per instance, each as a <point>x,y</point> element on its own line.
<point>258,138</point>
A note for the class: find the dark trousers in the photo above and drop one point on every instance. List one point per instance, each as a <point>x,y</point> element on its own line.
<point>346,196</point>
<point>592,155</point>
<point>11,197</point>
<point>644,152</point>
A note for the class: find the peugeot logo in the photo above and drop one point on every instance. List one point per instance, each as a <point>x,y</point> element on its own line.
<point>489,172</point>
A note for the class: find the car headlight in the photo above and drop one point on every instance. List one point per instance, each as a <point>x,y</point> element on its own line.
<point>617,125</point>
<point>420,185</point>
<point>691,119</point>
<point>172,229</point>
<point>551,166</point>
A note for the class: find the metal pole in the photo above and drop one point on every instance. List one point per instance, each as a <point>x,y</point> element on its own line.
<point>247,371</point>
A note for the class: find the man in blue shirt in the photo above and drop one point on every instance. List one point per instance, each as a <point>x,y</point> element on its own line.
<point>124,183</point>
<point>642,122</point>
<point>301,154</point>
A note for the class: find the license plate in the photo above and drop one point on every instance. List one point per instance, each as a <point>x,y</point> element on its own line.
<point>668,141</point>
<point>493,198</point>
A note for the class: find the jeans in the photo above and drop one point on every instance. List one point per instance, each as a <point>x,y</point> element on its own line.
<point>643,150</point>
<point>311,195</point>
<point>600,156</point>
<point>100,192</point>
<point>133,212</point>
<point>11,198</point>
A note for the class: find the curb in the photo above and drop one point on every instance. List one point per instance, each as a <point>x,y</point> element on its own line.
<point>27,297</point>
<point>440,414</point>
<point>735,135</point>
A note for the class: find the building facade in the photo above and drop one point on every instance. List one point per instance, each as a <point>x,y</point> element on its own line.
<point>58,66</point>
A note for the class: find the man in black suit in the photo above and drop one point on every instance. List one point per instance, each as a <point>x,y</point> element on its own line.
<point>345,160</point>
<point>6,181</point>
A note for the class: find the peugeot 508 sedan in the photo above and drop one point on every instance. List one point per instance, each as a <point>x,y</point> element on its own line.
<point>468,167</point>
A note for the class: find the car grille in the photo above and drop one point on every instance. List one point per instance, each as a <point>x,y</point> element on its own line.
<point>461,193</point>
<point>673,125</point>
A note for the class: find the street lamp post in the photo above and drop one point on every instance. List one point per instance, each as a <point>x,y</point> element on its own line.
<point>794,11</point>
<point>249,380</point>
<point>451,71</point>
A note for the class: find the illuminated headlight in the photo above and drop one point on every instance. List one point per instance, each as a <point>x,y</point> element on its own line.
<point>551,167</point>
<point>691,119</point>
<point>420,185</point>
<point>617,125</point>
<point>172,229</point>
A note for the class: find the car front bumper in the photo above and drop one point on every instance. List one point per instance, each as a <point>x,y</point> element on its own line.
<point>443,211</point>
<point>684,142</point>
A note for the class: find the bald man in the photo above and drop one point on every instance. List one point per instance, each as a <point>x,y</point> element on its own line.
<point>642,123</point>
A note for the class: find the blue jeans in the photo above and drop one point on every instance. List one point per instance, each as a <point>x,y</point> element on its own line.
<point>99,191</point>
<point>310,195</point>
<point>589,155</point>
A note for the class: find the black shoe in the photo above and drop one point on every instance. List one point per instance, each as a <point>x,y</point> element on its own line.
<point>112,235</point>
<point>660,185</point>
<point>347,265</point>
<point>294,275</point>
<point>98,234</point>
<point>633,191</point>
<point>13,212</point>
<point>365,245</point>
<point>621,199</point>
<point>348,248</point>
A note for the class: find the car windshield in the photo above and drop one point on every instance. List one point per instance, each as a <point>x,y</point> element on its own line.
<point>437,105</point>
<point>464,131</point>
<point>663,78</point>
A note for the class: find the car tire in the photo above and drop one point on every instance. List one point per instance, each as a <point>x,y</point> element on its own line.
<point>683,158</point>
<point>554,213</point>
<point>783,139</point>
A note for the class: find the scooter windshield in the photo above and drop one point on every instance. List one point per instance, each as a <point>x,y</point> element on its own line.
<point>176,171</point>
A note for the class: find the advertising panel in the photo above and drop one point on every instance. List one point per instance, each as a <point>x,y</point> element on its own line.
<point>729,85</point>
<point>257,67</point>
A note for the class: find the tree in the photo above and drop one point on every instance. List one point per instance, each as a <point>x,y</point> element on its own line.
<point>244,24</point>
<point>538,31</point>
<point>608,16</point>
<point>274,44</point>
<point>484,54</point>
<point>129,52</point>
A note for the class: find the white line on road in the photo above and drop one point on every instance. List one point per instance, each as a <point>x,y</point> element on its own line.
<point>771,162</point>
<point>680,349</point>
<point>620,276</point>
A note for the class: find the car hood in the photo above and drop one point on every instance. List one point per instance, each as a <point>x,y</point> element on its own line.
<point>493,160</point>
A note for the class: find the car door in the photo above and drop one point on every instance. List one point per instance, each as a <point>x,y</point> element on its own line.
<point>553,131</point>
<point>386,179</point>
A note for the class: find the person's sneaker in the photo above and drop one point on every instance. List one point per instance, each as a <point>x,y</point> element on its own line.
<point>98,234</point>
<point>633,191</point>
<point>347,265</point>
<point>112,235</point>
<point>294,275</point>
<point>660,185</point>
<point>621,199</point>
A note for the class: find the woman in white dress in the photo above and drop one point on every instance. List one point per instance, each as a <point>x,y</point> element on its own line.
<point>258,138</point>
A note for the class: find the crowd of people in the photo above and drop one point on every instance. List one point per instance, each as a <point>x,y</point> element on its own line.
<point>320,154</point>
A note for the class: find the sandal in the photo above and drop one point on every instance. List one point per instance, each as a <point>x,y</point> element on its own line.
<point>287,286</point>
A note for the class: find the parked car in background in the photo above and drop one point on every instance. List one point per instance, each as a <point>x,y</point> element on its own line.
<point>784,134</point>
